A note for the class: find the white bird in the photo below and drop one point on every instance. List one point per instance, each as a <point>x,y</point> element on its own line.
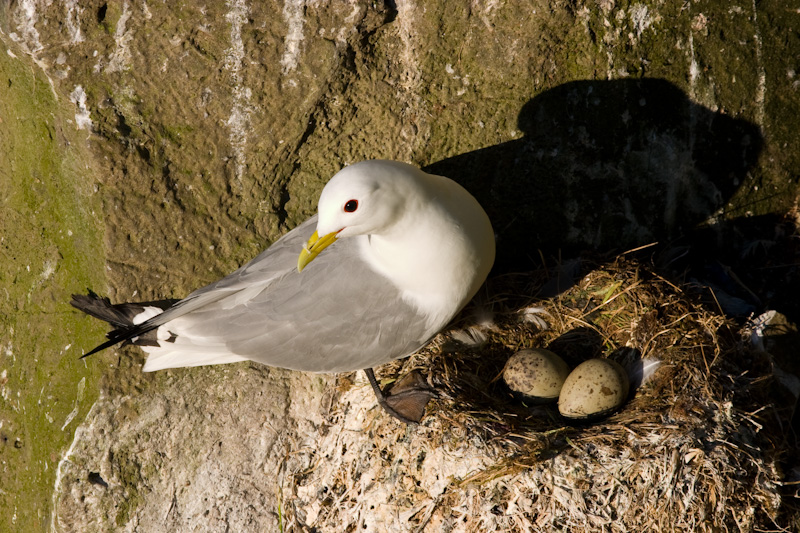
<point>404,251</point>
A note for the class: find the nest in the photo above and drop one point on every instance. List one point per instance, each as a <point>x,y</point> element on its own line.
<point>699,446</point>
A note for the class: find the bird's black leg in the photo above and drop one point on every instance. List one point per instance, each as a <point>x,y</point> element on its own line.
<point>406,399</point>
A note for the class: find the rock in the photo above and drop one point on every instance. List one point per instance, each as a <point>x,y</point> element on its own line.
<point>198,133</point>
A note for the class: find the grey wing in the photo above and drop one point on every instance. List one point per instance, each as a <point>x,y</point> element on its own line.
<point>337,315</point>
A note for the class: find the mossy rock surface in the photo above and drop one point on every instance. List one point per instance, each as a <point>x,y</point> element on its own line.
<point>51,244</point>
<point>589,125</point>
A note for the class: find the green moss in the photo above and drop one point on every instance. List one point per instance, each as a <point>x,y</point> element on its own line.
<point>177,135</point>
<point>129,474</point>
<point>109,14</point>
<point>50,247</point>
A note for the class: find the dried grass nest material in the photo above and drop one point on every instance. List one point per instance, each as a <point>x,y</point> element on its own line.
<point>700,445</point>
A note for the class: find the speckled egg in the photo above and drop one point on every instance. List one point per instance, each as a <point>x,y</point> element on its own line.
<point>536,374</point>
<point>595,388</point>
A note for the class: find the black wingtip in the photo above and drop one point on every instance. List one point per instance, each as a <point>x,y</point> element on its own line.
<point>107,344</point>
<point>120,316</point>
<point>114,337</point>
<point>99,307</point>
<point>94,305</point>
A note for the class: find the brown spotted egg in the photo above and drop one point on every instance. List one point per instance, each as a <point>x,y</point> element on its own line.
<point>595,388</point>
<point>536,374</point>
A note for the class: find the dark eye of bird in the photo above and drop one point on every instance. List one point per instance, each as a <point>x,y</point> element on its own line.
<point>351,206</point>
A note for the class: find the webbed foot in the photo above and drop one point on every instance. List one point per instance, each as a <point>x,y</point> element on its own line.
<point>406,399</point>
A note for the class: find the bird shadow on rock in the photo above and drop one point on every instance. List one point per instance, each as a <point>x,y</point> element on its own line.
<point>605,167</point>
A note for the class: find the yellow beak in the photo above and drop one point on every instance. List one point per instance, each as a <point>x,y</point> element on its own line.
<point>313,247</point>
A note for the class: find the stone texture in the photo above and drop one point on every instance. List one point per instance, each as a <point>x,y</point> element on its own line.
<point>213,126</point>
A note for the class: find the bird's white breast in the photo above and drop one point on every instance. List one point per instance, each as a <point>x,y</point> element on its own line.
<point>439,255</point>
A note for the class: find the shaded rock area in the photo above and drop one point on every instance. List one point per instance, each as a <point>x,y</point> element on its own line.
<point>151,147</point>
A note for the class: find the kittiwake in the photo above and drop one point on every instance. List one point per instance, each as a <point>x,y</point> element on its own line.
<point>392,255</point>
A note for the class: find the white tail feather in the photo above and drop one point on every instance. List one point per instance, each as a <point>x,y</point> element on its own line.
<point>186,351</point>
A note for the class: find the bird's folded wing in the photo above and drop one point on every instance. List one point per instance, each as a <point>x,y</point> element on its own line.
<point>337,315</point>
